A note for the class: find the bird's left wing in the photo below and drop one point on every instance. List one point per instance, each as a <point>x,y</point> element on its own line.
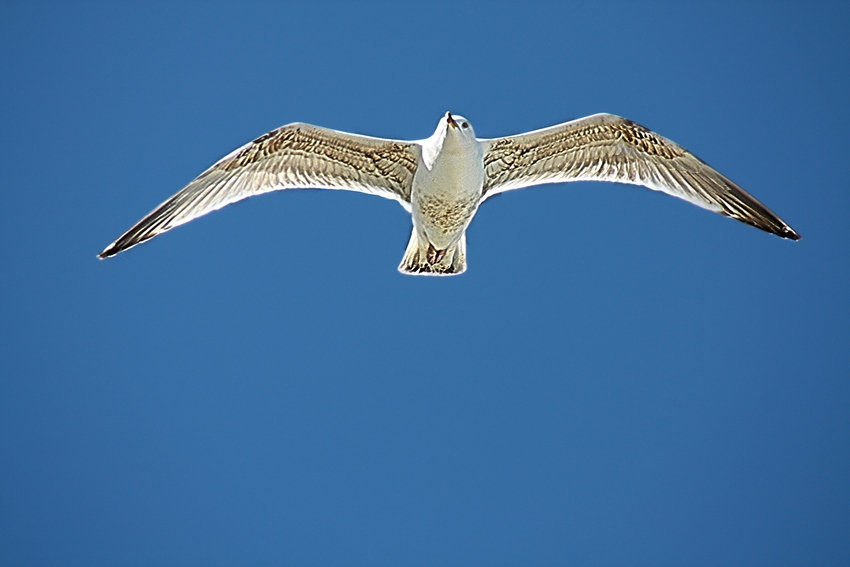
<point>604,147</point>
<point>292,156</point>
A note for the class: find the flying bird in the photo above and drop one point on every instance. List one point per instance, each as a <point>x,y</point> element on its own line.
<point>442,180</point>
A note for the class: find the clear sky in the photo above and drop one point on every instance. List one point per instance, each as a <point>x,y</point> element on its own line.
<point>620,378</point>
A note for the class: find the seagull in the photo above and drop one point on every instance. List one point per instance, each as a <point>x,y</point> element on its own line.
<point>442,180</point>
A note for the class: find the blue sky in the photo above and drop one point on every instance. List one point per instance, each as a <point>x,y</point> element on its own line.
<point>619,378</point>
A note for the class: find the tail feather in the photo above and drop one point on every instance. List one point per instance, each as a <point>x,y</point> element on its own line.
<point>423,259</point>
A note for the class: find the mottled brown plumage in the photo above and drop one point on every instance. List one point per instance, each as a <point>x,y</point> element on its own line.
<point>293,156</point>
<point>604,147</point>
<point>443,180</point>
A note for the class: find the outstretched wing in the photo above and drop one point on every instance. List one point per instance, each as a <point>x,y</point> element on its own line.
<point>293,156</point>
<point>604,147</point>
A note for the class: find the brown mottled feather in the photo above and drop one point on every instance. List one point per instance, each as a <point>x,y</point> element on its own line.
<point>604,147</point>
<point>292,156</point>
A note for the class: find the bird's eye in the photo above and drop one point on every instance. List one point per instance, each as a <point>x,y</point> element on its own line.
<point>465,124</point>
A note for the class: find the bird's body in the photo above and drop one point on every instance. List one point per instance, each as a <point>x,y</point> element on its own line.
<point>445,196</point>
<point>442,180</point>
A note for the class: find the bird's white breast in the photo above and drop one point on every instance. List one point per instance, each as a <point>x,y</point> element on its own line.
<point>445,196</point>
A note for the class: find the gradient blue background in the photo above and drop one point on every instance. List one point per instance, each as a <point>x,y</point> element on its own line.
<point>620,378</point>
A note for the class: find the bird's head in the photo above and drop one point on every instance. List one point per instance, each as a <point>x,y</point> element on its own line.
<point>457,127</point>
<point>454,134</point>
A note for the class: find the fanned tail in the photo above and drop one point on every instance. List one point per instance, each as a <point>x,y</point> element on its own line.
<point>423,259</point>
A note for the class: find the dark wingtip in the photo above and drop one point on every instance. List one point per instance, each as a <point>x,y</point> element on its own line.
<point>789,233</point>
<point>109,251</point>
<point>781,232</point>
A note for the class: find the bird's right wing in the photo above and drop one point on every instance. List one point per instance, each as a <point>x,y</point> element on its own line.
<point>292,156</point>
<point>604,147</point>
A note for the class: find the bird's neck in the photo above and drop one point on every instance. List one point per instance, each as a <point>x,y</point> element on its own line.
<point>445,148</point>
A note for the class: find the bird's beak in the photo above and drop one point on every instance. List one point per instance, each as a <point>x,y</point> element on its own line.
<point>450,121</point>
